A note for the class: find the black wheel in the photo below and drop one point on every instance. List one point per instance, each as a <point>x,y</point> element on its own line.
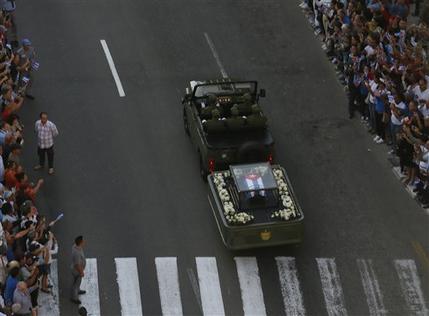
<point>185,122</point>
<point>203,172</point>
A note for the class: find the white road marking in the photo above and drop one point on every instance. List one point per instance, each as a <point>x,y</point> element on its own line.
<point>411,289</point>
<point>250,286</point>
<point>289,282</point>
<point>331,286</point>
<point>169,288</point>
<point>91,300</point>
<point>113,68</point>
<point>208,278</point>
<point>49,303</point>
<point>129,288</point>
<point>216,56</point>
<point>374,297</point>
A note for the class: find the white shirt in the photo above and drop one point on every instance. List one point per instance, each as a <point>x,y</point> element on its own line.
<point>369,50</point>
<point>395,120</point>
<point>421,95</point>
<point>45,134</point>
<point>424,110</point>
<point>401,105</point>
<point>373,86</point>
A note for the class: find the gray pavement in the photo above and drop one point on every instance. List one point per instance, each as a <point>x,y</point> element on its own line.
<point>127,177</point>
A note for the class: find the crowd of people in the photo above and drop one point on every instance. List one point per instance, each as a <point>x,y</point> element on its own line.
<point>27,243</point>
<point>382,60</point>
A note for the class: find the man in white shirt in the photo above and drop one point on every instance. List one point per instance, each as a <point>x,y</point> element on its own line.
<point>46,131</point>
<point>421,91</point>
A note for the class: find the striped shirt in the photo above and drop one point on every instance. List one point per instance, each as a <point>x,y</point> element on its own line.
<point>45,134</point>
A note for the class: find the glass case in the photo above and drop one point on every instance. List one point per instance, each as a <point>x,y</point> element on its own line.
<point>255,185</point>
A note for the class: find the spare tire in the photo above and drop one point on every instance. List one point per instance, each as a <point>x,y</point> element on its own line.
<point>252,152</point>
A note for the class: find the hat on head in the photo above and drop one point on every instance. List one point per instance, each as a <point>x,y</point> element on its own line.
<point>256,109</point>
<point>215,114</point>
<point>26,207</point>
<point>7,194</point>
<point>12,264</point>
<point>26,42</point>
<point>34,246</point>
<point>82,311</point>
<point>5,88</point>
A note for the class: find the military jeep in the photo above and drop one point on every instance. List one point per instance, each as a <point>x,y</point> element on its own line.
<point>226,124</point>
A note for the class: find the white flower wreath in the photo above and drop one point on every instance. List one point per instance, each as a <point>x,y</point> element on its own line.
<point>231,214</point>
<point>289,210</point>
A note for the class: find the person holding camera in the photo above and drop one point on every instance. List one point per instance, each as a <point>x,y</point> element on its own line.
<point>26,55</point>
<point>46,238</point>
<point>22,299</point>
<point>30,274</point>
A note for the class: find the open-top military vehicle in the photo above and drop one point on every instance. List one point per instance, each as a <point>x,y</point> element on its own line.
<point>254,206</point>
<point>226,124</point>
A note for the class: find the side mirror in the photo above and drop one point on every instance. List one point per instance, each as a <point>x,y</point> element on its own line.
<point>262,93</point>
<point>186,98</point>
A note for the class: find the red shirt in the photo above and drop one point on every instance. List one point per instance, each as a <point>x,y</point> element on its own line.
<point>9,178</point>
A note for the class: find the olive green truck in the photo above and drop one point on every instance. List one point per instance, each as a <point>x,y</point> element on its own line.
<point>226,124</point>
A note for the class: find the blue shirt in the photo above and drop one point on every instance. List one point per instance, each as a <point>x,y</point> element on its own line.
<point>379,105</point>
<point>11,283</point>
<point>2,137</point>
<point>347,20</point>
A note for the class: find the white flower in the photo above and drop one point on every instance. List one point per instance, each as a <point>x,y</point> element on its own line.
<point>285,214</point>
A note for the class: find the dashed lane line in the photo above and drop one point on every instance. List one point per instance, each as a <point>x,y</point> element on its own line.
<point>216,56</point>
<point>113,68</point>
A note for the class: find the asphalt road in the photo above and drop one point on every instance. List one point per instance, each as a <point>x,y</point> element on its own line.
<point>127,176</point>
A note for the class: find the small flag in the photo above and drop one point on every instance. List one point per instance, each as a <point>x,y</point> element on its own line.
<point>35,65</point>
<point>25,80</point>
<point>59,217</point>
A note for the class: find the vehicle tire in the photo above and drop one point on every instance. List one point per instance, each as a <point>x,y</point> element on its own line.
<point>203,172</point>
<point>252,152</point>
<point>185,122</point>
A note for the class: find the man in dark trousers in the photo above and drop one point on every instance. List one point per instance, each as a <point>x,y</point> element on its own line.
<point>77,269</point>
<point>46,131</point>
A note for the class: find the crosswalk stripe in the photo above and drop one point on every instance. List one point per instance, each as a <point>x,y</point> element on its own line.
<point>49,305</point>
<point>208,280</point>
<point>290,288</point>
<point>331,286</point>
<point>129,288</point>
<point>374,297</point>
<point>168,283</point>
<point>91,300</point>
<point>250,286</point>
<point>410,284</point>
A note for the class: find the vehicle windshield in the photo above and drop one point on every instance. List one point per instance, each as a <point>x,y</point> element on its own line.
<point>225,88</point>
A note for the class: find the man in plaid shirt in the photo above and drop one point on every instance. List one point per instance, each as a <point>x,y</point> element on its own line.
<point>46,131</point>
